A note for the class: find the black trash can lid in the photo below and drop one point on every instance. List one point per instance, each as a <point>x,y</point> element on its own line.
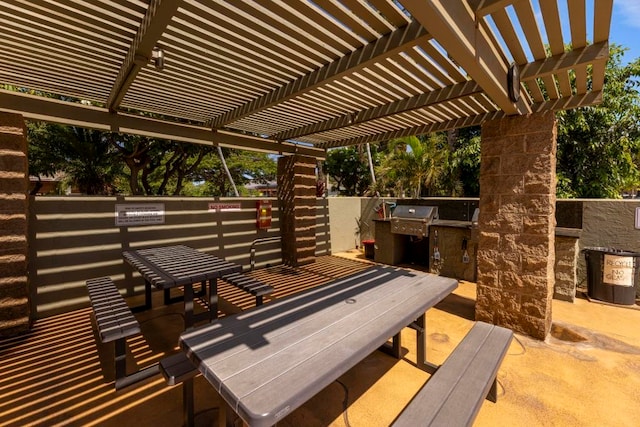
<point>611,251</point>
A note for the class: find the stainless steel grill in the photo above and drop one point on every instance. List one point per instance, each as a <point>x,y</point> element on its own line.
<point>413,220</point>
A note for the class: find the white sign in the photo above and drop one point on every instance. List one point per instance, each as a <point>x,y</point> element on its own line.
<point>225,207</point>
<point>638,218</point>
<point>139,214</point>
<point>618,270</point>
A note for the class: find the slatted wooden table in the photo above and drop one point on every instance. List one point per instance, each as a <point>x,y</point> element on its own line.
<point>268,361</point>
<point>172,266</point>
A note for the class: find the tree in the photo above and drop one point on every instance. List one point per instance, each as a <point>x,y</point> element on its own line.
<point>84,155</point>
<point>414,165</point>
<point>244,166</point>
<point>465,162</point>
<point>349,168</point>
<point>156,166</point>
<point>599,146</point>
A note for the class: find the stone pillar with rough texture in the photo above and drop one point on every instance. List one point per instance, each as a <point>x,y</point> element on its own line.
<point>297,205</point>
<point>14,186</point>
<point>517,222</point>
<point>565,267</point>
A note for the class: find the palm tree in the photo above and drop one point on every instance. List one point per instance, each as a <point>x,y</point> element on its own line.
<point>414,164</point>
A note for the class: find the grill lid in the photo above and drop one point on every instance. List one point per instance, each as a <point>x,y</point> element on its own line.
<point>427,213</point>
<point>413,220</point>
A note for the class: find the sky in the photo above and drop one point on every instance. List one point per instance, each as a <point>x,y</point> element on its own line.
<point>625,27</point>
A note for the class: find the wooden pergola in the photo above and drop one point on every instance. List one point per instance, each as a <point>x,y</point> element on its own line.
<point>297,76</point>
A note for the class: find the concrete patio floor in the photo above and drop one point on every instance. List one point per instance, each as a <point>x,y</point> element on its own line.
<point>587,372</point>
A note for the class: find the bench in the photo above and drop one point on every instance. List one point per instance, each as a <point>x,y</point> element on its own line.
<point>115,323</point>
<point>454,394</point>
<point>250,285</point>
<point>177,369</point>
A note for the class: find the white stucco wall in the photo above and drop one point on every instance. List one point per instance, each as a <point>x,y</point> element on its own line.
<point>344,214</point>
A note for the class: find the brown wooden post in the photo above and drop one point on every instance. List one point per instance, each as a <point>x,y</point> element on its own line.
<point>14,186</point>
<point>517,223</point>
<point>297,205</point>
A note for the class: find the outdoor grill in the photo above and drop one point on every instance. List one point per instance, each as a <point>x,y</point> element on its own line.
<point>413,220</point>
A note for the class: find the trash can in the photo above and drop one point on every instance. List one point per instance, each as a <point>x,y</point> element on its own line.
<point>368,248</point>
<point>612,274</point>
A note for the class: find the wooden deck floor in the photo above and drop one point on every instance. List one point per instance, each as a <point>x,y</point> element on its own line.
<point>585,373</point>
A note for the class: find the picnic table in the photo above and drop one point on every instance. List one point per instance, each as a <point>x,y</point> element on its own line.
<point>267,361</point>
<point>169,267</point>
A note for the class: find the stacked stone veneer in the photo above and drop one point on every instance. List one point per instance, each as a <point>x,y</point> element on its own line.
<point>565,268</point>
<point>517,221</point>
<point>14,184</point>
<point>297,205</point>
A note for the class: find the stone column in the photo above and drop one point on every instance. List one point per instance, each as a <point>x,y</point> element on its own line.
<point>297,206</point>
<point>14,186</point>
<point>517,222</point>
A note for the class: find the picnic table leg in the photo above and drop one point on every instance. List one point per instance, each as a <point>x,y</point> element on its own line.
<point>147,299</point>
<point>203,289</point>
<point>188,402</point>
<point>213,299</point>
<point>396,346</point>
<point>188,306</point>
<point>421,344</point>
<point>395,349</point>
<point>227,416</point>
<point>147,295</point>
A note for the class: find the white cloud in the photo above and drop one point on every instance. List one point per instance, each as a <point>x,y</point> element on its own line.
<point>629,11</point>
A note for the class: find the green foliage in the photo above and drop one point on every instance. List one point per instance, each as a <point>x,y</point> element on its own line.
<point>414,166</point>
<point>244,166</point>
<point>349,168</point>
<point>465,161</point>
<point>85,156</point>
<point>599,146</point>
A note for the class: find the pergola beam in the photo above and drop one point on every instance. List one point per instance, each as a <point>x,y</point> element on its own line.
<point>74,114</point>
<point>590,54</point>
<point>389,45</point>
<point>456,91</point>
<point>455,27</point>
<point>154,23</point>
<point>566,103</point>
<point>487,7</point>
<point>416,130</point>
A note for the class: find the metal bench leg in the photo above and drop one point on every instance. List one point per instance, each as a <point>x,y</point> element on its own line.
<point>493,391</point>
<point>188,402</point>
<point>120,357</point>
<point>258,300</point>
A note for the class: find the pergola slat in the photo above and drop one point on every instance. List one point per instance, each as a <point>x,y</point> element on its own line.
<point>321,73</point>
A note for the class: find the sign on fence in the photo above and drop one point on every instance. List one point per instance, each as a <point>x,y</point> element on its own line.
<point>139,214</point>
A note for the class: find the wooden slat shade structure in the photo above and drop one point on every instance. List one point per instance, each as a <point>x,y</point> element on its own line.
<point>297,76</point>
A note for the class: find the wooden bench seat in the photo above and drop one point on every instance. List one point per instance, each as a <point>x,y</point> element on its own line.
<point>115,323</point>
<point>250,285</point>
<point>454,394</point>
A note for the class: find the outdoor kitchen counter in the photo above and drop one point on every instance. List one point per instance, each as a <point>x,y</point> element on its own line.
<point>389,247</point>
<point>451,223</point>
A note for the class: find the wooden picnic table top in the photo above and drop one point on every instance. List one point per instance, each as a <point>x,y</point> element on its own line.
<point>268,361</point>
<point>170,266</point>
